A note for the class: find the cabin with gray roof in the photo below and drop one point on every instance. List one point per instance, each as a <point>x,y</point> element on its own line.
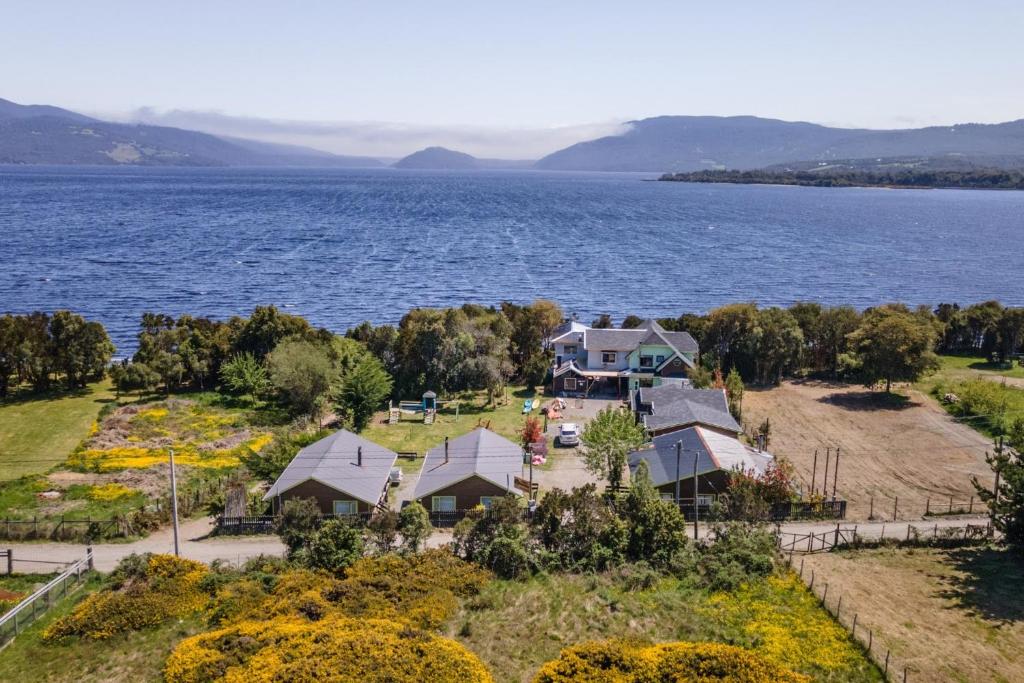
<point>716,455</point>
<point>672,407</point>
<point>589,361</point>
<point>467,471</point>
<point>344,472</point>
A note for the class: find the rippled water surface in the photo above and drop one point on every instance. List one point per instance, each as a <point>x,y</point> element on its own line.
<point>341,246</point>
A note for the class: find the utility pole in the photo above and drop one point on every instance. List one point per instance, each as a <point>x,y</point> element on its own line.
<point>529,454</point>
<point>696,512</point>
<point>174,504</point>
<point>679,455</point>
<point>824,486</point>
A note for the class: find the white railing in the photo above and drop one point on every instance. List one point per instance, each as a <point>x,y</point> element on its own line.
<point>28,609</point>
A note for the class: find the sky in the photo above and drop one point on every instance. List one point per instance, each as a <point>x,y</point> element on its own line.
<point>510,80</point>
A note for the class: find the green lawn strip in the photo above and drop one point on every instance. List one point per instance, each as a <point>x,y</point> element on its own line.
<point>38,432</point>
<point>514,627</point>
<point>19,499</point>
<point>126,658</point>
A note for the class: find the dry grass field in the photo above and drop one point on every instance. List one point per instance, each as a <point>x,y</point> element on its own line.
<point>948,615</point>
<point>908,448</point>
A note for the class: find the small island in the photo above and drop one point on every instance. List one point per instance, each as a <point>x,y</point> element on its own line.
<point>904,178</point>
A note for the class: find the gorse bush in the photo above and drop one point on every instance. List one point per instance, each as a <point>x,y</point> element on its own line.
<point>335,649</point>
<point>737,554</point>
<point>629,662</point>
<point>137,598</point>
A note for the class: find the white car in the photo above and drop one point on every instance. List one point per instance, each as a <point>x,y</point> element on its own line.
<point>568,434</point>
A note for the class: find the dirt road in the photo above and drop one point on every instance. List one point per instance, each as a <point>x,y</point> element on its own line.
<point>913,451</point>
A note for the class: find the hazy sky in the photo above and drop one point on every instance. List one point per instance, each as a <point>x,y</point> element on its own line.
<point>510,79</point>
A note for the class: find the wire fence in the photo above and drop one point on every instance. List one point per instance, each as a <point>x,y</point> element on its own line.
<point>28,610</point>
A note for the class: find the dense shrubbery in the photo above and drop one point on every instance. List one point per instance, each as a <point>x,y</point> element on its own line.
<point>334,648</point>
<point>631,662</point>
<point>145,591</point>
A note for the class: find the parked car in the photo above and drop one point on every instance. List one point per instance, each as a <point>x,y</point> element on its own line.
<point>395,477</point>
<point>568,434</point>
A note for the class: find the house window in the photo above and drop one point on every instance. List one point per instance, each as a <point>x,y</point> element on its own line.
<point>646,361</point>
<point>570,349</point>
<point>609,356</point>
<point>346,507</point>
<point>658,360</point>
<point>667,497</point>
<point>705,498</point>
<point>486,501</point>
<point>570,384</point>
<point>442,504</point>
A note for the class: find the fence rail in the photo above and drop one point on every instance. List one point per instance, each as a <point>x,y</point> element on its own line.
<point>26,611</point>
<point>848,537</point>
<point>264,524</point>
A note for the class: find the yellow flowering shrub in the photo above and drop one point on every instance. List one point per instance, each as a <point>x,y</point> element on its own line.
<point>334,649</point>
<point>169,588</point>
<point>619,661</point>
<point>786,624</point>
<point>108,492</point>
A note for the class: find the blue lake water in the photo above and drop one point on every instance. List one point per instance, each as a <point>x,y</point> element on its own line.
<point>341,246</point>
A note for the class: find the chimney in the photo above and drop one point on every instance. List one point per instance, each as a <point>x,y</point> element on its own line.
<point>359,456</point>
<point>446,450</point>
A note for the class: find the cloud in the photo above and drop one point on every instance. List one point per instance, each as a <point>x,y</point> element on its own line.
<point>380,138</point>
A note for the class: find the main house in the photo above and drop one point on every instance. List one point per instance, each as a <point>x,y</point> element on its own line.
<point>590,360</point>
<point>672,407</point>
<point>467,471</point>
<point>671,457</point>
<point>345,473</point>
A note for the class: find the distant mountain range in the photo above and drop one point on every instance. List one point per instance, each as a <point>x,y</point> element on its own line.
<point>42,134</point>
<point>440,158</point>
<point>691,143</point>
<point>39,134</point>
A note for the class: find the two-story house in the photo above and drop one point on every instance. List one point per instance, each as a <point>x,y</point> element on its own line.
<point>589,361</point>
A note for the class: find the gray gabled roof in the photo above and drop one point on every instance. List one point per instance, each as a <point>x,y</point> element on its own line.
<point>649,332</point>
<point>480,453</point>
<point>673,405</point>
<point>711,450</point>
<point>332,461</point>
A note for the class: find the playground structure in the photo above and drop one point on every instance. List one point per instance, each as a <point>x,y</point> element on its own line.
<point>428,405</point>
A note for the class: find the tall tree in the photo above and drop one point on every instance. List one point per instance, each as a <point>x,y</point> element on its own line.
<point>777,344</point>
<point>363,390</point>
<point>1006,504</point>
<point>602,322</point>
<point>834,327</point>
<point>245,374</point>
<point>893,344</point>
<point>303,374</point>
<point>607,440</point>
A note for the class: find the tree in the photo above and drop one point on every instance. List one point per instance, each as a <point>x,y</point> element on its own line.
<point>777,344</point>
<point>834,327</point>
<point>414,525</point>
<point>602,322</point>
<point>727,335</point>
<point>1011,331</point>
<point>303,374</point>
<point>631,322</point>
<point>531,433</point>
<point>335,546</point>
<point>383,528</point>
<point>893,344</point>
<point>297,523</point>
<point>579,530</point>
<point>363,390</point>
<point>657,529</point>
<point>82,349</point>
<point>1006,504</point>
<point>607,440</point>
<point>133,377</point>
<point>267,327</point>
<point>244,374</point>
<point>734,394</point>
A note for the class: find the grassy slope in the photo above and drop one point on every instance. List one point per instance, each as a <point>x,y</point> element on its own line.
<point>46,429</point>
<point>131,658</point>
<point>516,626</point>
<point>410,434</point>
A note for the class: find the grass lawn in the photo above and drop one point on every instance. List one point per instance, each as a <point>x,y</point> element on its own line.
<point>128,658</point>
<point>410,434</point>
<point>516,626</point>
<point>949,615</point>
<point>45,429</point>
<point>978,364</point>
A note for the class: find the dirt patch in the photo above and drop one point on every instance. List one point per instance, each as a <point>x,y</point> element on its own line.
<point>948,615</point>
<point>907,448</point>
<point>152,481</point>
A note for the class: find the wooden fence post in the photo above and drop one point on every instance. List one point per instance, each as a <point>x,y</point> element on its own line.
<point>854,624</point>
<point>871,639</point>
<point>887,662</point>
<point>927,506</point>
<point>895,507</point>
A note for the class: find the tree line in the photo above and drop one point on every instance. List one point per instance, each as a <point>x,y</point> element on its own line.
<point>987,179</point>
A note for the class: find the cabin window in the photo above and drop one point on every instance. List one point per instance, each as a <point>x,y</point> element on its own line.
<point>486,501</point>
<point>570,349</point>
<point>667,497</point>
<point>659,360</point>
<point>646,361</point>
<point>609,356</point>
<point>442,504</point>
<point>705,499</point>
<point>570,384</point>
<point>346,507</point>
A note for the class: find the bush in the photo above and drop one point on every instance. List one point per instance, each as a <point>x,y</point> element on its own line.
<point>334,546</point>
<point>414,525</point>
<point>300,518</point>
<point>630,662</point>
<point>737,554</point>
<point>168,587</point>
<point>335,649</point>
